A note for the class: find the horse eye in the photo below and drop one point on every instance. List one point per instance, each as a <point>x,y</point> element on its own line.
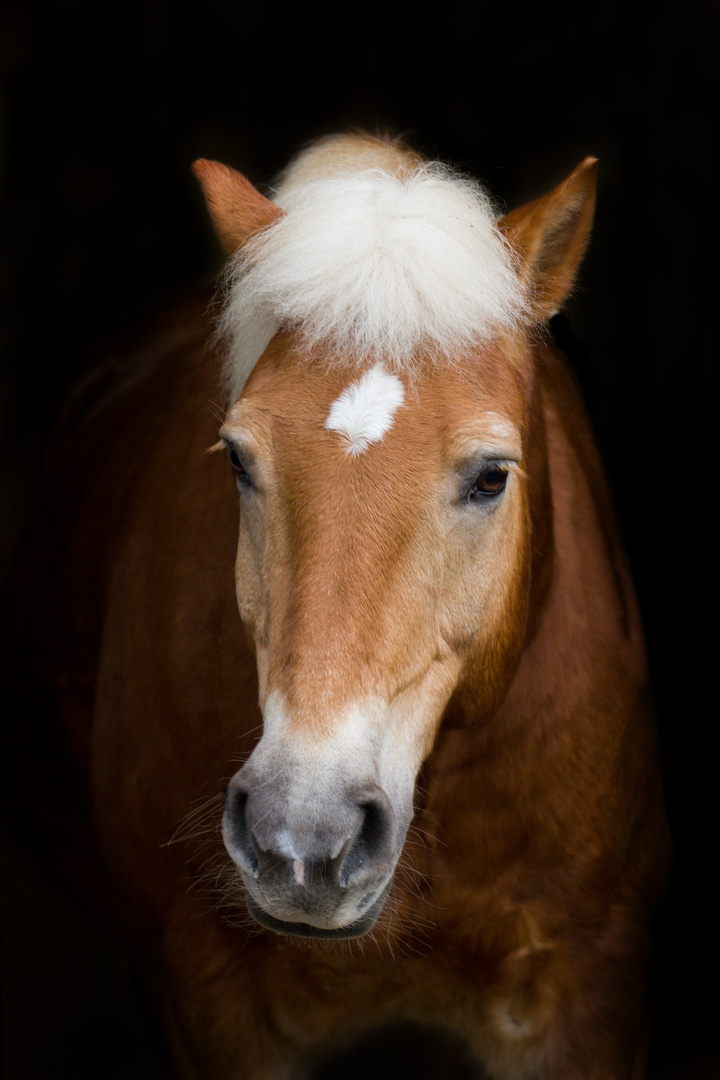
<point>490,482</point>
<point>237,466</point>
<point>235,461</point>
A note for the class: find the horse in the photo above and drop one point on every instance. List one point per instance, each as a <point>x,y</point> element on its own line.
<point>414,747</point>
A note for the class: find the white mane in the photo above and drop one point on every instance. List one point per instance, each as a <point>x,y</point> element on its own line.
<point>373,265</point>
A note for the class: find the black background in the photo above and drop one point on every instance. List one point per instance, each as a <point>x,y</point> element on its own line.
<point>104,107</point>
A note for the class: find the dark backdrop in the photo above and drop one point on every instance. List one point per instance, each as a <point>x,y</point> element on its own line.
<point>104,108</point>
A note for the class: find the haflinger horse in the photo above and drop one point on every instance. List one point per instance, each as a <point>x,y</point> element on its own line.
<point>442,796</point>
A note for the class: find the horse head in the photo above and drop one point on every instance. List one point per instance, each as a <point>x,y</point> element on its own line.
<point>394,498</point>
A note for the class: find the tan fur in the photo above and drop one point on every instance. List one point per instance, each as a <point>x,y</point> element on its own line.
<point>552,233</point>
<point>518,916</point>
<point>369,611</point>
<point>237,209</point>
<point>348,153</point>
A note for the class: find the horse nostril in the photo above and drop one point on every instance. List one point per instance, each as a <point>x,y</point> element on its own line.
<point>370,840</point>
<point>239,830</point>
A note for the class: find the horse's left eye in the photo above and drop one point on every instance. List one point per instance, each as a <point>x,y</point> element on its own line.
<point>490,482</point>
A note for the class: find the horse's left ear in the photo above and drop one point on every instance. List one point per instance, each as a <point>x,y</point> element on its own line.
<point>551,235</point>
<point>237,209</point>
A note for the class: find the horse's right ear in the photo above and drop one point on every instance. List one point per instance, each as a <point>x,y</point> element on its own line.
<point>237,209</point>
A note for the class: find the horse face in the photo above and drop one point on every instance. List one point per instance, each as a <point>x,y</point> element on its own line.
<point>382,564</point>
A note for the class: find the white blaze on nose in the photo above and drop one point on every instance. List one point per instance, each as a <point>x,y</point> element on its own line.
<point>365,409</point>
<point>299,872</point>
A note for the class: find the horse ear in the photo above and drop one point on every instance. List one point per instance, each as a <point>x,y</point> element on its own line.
<point>551,235</point>
<point>237,209</point>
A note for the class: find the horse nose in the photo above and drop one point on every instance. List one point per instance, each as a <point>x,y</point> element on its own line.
<point>371,840</point>
<point>336,849</point>
<point>238,831</point>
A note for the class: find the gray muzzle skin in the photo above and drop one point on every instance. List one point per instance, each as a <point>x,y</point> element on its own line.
<point>314,864</point>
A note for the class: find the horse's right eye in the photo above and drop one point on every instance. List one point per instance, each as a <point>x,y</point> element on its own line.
<point>241,477</point>
<point>235,460</point>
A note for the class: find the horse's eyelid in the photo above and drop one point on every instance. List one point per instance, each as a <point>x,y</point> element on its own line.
<point>472,469</point>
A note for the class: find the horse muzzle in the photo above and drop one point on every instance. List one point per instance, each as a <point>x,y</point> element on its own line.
<point>316,862</point>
